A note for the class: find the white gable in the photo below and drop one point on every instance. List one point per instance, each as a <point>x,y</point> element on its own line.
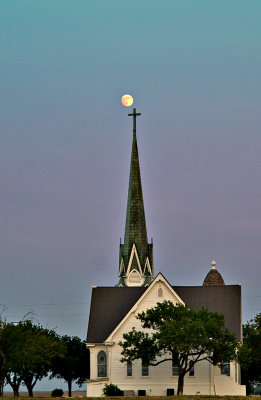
<point>158,291</point>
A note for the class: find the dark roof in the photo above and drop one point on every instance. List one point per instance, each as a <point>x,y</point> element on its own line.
<point>109,305</point>
<point>224,299</point>
<point>213,278</point>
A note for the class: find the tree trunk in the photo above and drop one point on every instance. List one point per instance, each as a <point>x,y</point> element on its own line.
<point>15,387</point>
<point>2,380</point>
<point>30,383</point>
<point>69,388</point>
<point>29,386</point>
<point>16,390</point>
<point>1,389</point>
<point>14,383</point>
<point>180,384</point>
<point>30,391</point>
<point>2,373</point>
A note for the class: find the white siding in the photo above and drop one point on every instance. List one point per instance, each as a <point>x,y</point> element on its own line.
<point>207,379</point>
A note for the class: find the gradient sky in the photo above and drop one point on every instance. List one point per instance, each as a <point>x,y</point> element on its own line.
<point>193,68</point>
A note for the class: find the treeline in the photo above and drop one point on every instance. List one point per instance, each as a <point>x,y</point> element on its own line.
<point>29,352</point>
<point>250,355</point>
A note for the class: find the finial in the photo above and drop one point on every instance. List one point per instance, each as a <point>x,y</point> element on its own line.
<point>213,264</point>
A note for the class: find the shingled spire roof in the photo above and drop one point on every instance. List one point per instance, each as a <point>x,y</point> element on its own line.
<point>135,227</point>
<point>213,278</point>
<point>136,263</point>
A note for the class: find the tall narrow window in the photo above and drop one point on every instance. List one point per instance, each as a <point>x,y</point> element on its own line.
<point>160,292</point>
<point>129,368</point>
<point>175,369</point>
<point>102,364</point>
<point>225,369</point>
<point>144,369</point>
<point>191,366</point>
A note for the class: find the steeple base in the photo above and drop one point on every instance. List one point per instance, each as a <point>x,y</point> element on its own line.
<point>134,279</point>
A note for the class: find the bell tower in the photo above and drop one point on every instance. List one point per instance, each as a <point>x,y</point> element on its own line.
<point>136,254</point>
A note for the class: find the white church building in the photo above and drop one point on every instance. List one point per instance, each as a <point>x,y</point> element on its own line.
<point>113,312</point>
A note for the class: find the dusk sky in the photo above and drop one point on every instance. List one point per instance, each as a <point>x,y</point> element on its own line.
<point>194,70</point>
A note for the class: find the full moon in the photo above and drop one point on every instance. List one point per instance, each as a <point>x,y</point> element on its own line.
<point>127,100</point>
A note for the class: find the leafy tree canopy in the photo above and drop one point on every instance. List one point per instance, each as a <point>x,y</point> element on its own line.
<point>74,364</point>
<point>181,335</point>
<point>250,352</point>
<point>28,350</point>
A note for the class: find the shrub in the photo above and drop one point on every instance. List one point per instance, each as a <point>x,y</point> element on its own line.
<point>112,390</point>
<point>57,393</point>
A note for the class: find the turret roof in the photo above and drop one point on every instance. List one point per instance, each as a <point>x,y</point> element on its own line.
<point>213,278</point>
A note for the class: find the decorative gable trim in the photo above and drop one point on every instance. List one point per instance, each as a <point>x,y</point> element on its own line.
<point>158,278</point>
<point>147,265</point>
<point>121,267</point>
<point>134,252</point>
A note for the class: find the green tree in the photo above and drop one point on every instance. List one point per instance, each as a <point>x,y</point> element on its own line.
<point>41,347</point>
<point>28,350</point>
<point>250,353</point>
<point>13,339</point>
<point>2,356</point>
<point>11,345</point>
<point>74,364</point>
<point>180,335</point>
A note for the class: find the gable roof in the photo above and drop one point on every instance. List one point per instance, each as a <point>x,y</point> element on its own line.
<point>159,278</point>
<point>109,305</point>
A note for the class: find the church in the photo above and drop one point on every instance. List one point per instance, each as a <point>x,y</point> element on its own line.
<point>113,312</point>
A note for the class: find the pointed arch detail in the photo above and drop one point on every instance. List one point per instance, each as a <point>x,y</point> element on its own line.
<point>134,253</point>
<point>147,265</point>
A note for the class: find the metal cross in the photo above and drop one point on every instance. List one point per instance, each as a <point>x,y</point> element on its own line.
<point>134,114</point>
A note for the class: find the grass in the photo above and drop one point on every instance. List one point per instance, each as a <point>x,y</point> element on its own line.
<point>198,397</point>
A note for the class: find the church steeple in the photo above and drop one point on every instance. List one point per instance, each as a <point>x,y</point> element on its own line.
<point>136,258</point>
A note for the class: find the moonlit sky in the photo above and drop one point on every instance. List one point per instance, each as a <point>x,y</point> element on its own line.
<point>193,69</point>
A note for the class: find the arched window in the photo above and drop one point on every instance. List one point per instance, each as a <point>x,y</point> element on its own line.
<point>160,292</point>
<point>191,366</point>
<point>129,368</point>
<point>102,364</point>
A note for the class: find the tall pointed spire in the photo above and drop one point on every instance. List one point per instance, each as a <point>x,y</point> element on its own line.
<point>136,258</point>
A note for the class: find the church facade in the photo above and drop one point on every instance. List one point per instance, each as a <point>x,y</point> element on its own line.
<point>113,312</point>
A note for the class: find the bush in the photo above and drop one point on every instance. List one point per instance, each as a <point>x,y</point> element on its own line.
<point>112,390</point>
<point>57,393</point>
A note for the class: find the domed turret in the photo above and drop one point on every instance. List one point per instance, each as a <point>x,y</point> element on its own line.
<point>213,278</point>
